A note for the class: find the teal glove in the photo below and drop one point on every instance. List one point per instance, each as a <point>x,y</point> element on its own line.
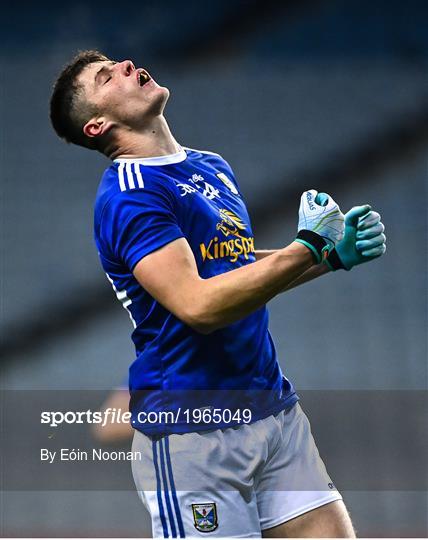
<point>363,240</point>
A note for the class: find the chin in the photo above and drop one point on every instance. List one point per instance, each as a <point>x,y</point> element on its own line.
<point>164,92</point>
<point>160,98</point>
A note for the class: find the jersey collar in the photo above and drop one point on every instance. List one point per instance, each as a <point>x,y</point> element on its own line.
<point>157,160</point>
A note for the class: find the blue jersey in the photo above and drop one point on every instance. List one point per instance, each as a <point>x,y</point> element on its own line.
<point>142,205</point>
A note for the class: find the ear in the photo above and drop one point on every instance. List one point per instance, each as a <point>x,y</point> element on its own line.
<point>96,127</point>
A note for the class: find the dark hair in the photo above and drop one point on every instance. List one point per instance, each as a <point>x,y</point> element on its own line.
<point>69,108</point>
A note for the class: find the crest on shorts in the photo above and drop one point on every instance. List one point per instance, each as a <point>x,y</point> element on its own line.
<point>205,517</point>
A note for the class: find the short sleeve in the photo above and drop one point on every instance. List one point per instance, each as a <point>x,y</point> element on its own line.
<point>135,223</point>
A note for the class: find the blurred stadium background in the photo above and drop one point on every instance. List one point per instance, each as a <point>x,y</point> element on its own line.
<point>294,94</point>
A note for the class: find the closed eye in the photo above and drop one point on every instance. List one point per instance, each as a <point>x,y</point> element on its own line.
<point>104,71</point>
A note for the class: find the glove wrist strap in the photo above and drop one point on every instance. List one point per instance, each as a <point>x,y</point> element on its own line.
<point>333,261</point>
<point>316,243</point>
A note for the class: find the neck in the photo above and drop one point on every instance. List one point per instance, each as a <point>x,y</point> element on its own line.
<point>155,140</point>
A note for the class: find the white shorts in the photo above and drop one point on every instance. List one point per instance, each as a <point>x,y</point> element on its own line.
<point>232,482</point>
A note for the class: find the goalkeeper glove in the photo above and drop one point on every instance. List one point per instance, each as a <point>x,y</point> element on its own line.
<point>363,240</point>
<point>321,223</point>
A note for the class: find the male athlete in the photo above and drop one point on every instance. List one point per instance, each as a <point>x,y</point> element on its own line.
<point>237,458</point>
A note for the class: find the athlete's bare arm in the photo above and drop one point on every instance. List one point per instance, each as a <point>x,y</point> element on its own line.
<point>112,432</point>
<point>171,276</point>
<point>310,274</point>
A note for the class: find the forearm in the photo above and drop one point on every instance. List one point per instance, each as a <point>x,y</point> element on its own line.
<point>310,274</point>
<point>228,297</point>
<point>263,253</point>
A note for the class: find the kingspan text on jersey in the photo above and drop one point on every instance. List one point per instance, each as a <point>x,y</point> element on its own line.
<point>228,248</point>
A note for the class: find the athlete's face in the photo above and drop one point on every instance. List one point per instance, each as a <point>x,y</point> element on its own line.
<point>122,93</point>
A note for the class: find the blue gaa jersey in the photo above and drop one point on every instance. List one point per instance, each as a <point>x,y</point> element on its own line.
<point>142,205</point>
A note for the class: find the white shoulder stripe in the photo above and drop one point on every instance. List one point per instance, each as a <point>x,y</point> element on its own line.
<point>128,168</point>
<point>126,172</point>
<point>121,177</point>
<point>138,175</point>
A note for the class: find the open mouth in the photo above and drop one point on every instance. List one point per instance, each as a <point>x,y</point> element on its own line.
<point>143,77</point>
